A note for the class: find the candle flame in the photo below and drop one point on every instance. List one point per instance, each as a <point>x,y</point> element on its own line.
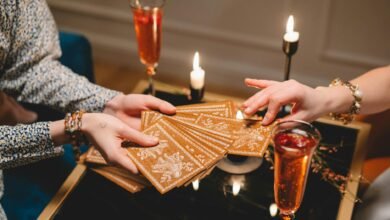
<point>236,188</point>
<point>195,64</point>
<point>290,24</point>
<point>195,185</point>
<point>273,210</point>
<point>239,115</point>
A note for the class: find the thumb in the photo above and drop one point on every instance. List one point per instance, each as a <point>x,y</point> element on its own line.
<point>137,137</point>
<point>154,103</point>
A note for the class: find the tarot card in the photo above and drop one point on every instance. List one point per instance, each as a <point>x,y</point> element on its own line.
<point>166,165</point>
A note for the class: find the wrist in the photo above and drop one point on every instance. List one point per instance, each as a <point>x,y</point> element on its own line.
<point>336,99</point>
<point>57,133</point>
<point>88,122</point>
<point>112,105</point>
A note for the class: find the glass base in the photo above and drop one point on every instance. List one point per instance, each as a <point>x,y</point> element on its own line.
<point>287,216</point>
<point>240,166</point>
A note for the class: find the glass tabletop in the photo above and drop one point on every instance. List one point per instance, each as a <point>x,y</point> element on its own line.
<point>97,198</point>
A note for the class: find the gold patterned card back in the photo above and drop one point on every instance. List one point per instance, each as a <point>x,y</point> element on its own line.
<point>250,137</point>
<point>202,153</point>
<point>94,156</point>
<point>126,183</point>
<point>166,165</point>
<point>222,109</point>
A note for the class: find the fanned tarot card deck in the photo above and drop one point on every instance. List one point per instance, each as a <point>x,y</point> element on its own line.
<point>191,143</point>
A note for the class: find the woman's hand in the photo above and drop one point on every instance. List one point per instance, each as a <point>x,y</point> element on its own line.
<point>128,108</point>
<point>308,103</point>
<point>107,133</point>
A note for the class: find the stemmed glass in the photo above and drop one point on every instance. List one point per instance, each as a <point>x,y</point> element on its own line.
<point>294,144</point>
<point>147,24</point>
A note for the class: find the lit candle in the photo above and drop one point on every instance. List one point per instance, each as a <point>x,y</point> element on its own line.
<point>291,35</point>
<point>236,188</point>
<point>239,115</point>
<point>195,185</point>
<point>273,209</point>
<point>197,74</point>
<point>237,182</point>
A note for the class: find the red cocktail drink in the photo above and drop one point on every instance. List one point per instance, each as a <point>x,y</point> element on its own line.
<point>294,144</point>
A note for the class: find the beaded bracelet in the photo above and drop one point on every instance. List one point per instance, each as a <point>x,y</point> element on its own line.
<point>73,124</point>
<point>356,105</point>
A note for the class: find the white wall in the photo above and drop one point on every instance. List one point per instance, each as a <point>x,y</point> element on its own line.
<point>238,39</point>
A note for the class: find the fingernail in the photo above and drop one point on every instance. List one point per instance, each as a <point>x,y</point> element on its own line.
<point>153,139</point>
<point>265,120</point>
<point>135,171</point>
<point>247,110</point>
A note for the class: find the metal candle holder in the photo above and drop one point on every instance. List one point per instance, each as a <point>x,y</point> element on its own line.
<point>197,94</point>
<point>289,48</point>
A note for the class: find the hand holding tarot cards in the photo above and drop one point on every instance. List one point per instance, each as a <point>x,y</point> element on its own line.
<point>191,143</point>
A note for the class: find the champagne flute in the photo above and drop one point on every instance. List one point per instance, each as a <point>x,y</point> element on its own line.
<point>147,24</point>
<point>294,144</point>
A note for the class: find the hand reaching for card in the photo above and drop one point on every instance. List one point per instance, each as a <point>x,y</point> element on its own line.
<point>128,108</point>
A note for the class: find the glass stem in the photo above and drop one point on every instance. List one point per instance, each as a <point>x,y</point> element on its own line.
<point>151,90</point>
<point>151,71</point>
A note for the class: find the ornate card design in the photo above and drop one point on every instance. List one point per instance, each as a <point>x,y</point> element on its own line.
<point>166,165</point>
<point>94,156</point>
<point>250,137</point>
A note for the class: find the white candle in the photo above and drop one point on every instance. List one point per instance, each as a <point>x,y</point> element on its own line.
<point>197,73</point>
<point>291,35</point>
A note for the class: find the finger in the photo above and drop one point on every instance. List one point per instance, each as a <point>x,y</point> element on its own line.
<point>154,103</point>
<point>138,137</point>
<point>272,111</point>
<point>275,87</point>
<point>260,100</point>
<point>259,83</point>
<point>122,159</point>
<point>251,99</point>
<point>276,100</point>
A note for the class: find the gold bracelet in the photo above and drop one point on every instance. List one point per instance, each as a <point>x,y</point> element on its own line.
<point>356,104</point>
<point>73,124</point>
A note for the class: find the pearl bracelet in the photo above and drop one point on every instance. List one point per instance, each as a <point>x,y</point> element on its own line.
<point>356,105</point>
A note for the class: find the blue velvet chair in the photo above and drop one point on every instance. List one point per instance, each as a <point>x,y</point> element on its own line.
<point>28,189</point>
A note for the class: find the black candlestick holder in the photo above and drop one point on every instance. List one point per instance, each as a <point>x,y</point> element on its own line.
<point>289,48</point>
<point>197,94</point>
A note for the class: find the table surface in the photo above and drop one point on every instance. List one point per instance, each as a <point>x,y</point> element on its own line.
<point>85,194</point>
